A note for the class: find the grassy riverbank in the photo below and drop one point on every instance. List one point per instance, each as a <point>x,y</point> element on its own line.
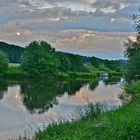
<point>115,125</point>
<point>15,71</point>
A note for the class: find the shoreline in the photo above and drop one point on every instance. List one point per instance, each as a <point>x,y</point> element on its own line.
<point>120,124</point>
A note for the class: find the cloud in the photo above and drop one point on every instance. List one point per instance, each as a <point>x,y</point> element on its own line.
<point>68,23</point>
<point>93,43</point>
<point>84,42</point>
<point>80,14</point>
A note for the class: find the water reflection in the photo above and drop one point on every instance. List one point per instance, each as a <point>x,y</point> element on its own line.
<point>3,87</point>
<point>111,81</point>
<point>41,95</point>
<point>30,104</point>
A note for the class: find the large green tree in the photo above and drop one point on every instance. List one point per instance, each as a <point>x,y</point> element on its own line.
<point>133,53</point>
<point>40,59</point>
<point>3,63</point>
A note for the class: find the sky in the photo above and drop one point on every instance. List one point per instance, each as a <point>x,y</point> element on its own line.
<point>87,27</point>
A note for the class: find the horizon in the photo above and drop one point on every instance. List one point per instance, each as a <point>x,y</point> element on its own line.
<point>85,27</point>
<point>125,59</point>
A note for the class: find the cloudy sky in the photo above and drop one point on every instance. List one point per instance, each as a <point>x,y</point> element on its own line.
<point>87,27</point>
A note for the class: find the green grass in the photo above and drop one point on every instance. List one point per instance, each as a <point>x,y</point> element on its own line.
<point>122,124</point>
<point>15,71</point>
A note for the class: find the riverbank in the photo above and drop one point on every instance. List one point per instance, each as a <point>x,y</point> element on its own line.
<point>38,102</point>
<point>120,124</point>
<point>15,71</point>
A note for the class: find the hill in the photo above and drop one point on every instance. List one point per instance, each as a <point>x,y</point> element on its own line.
<point>12,51</point>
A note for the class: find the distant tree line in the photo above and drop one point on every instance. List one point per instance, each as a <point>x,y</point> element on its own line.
<point>110,64</point>
<point>40,58</point>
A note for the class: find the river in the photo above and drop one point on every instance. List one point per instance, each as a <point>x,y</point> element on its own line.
<point>29,105</point>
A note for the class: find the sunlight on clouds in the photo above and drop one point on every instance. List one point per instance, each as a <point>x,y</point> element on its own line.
<point>90,1</point>
<point>108,10</point>
<point>133,38</point>
<point>77,6</point>
<point>91,43</point>
<point>73,5</point>
<point>123,5</point>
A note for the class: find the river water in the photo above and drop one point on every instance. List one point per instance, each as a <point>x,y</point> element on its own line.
<point>29,105</point>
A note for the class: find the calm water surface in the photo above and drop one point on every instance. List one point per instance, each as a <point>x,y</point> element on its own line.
<point>30,105</point>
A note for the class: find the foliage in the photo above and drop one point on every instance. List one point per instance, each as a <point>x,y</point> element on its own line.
<point>133,53</point>
<point>52,62</point>
<point>3,87</point>
<point>3,63</point>
<point>133,46</point>
<point>113,64</point>
<point>15,71</point>
<point>136,19</point>
<point>114,73</point>
<point>83,75</point>
<point>39,59</point>
<point>133,69</point>
<point>94,61</point>
<point>76,63</point>
<point>65,64</point>
<point>105,65</point>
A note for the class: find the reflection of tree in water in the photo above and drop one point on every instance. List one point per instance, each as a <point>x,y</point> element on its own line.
<point>112,80</point>
<point>93,84</point>
<point>39,96</point>
<point>3,88</point>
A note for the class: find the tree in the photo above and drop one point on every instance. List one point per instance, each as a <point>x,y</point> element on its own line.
<point>94,61</point>
<point>113,65</point>
<point>3,63</point>
<point>133,72</point>
<point>65,64</point>
<point>133,53</point>
<point>76,63</point>
<point>133,46</point>
<point>40,59</point>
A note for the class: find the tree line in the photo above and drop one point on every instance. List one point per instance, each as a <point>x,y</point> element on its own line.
<point>39,58</point>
